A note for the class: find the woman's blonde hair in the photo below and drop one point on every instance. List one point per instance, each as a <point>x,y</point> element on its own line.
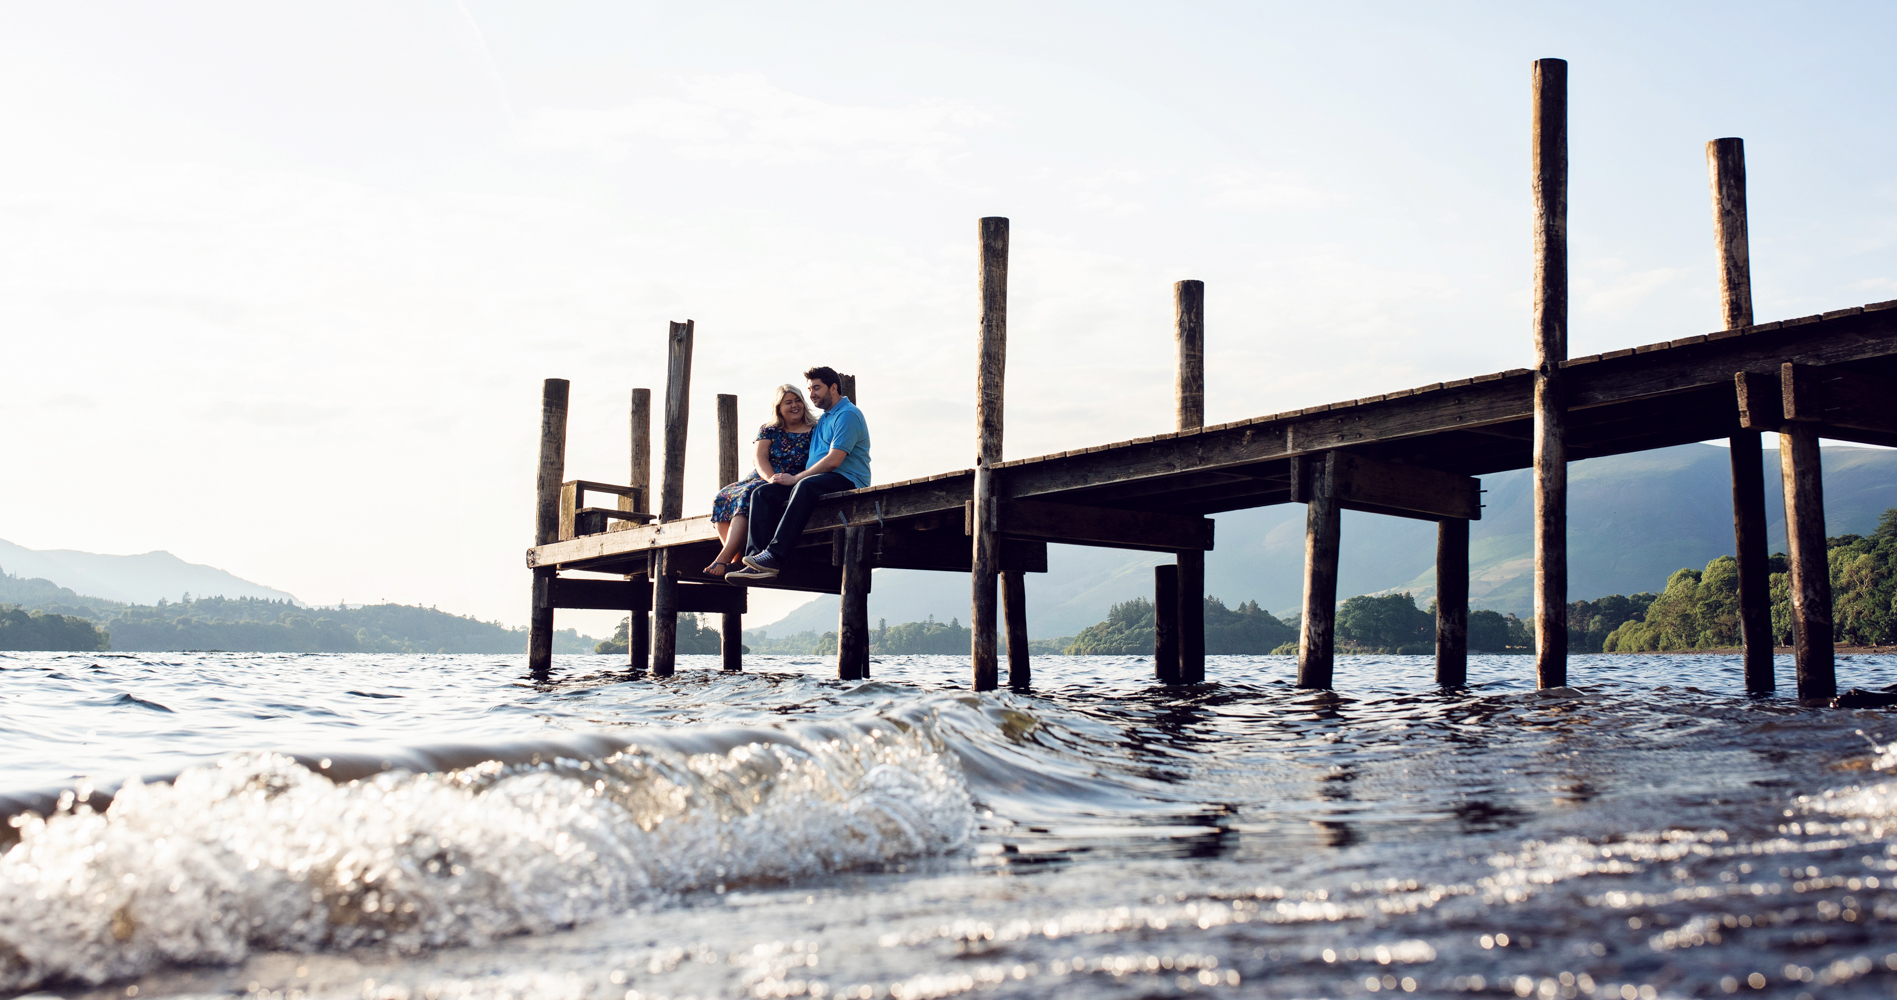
<point>777,404</point>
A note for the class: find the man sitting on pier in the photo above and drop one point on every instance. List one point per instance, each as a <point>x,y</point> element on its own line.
<point>781,508</point>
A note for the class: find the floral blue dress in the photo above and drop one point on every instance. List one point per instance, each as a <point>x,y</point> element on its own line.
<point>790,452</point>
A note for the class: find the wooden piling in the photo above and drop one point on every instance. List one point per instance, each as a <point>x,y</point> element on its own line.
<point>1317,626</point>
<point>992,356</point>
<point>1452,602</point>
<point>1810,560</point>
<point>1726,170</point>
<point>1014,617</point>
<point>639,620</point>
<point>678,384</point>
<point>1191,616</point>
<point>1166,623</point>
<point>853,608</point>
<point>1550,155</point>
<point>553,407</point>
<point>730,626</point>
<point>846,384</point>
<point>1188,310</point>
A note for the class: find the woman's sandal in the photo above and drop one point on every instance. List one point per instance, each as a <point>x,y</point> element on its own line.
<point>721,572</point>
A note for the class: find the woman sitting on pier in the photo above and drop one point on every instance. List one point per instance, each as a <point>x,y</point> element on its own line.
<point>783,446</point>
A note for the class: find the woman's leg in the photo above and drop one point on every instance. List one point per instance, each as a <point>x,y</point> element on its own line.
<point>732,533</point>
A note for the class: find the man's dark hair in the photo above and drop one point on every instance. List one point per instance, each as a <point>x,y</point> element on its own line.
<point>825,374</point>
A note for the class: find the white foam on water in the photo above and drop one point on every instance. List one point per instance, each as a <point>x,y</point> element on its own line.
<point>258,852</point>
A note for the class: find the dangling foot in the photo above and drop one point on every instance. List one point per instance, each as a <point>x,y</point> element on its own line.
<point>717,569</point>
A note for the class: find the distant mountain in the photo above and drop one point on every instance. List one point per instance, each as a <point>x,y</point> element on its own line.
<point>140,579</point>
<point>1633,520</point>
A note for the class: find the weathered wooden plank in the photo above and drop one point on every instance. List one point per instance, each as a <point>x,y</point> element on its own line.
<point>1839,398</point>
<point>1166,623</point>
<point>1452,602</point>
<point>1550,155</point>
<point>984,526</point>
<point>1073,524</point>
<point>899,547</point>
<point>577,552</point>
<point>1411,489</point>
<point>1761,404</point>
<point>636,595</point>
<point>553,410</point>
<point>1188,307</point>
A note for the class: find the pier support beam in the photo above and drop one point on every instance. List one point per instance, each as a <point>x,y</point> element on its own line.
<point>639,622</point>
<point>1550,155</point>
<point>553,406</point>
<point>730,627</point>
<point>1317,625</point>
<point>992,357</point>
<point>1166,623</point>
<point>1452,603</point>
<point>678,384</point>
<point>1188,309</point>
<point>1191,617</point>
<point>1726,169</point>
<point>1810,561</point>
<point>853,609</point>
<point>1014,616</point>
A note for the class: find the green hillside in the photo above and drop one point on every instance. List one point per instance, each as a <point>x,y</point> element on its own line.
<point>46,616</point>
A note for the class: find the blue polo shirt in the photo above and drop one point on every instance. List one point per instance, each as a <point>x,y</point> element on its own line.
<point>842,426</point>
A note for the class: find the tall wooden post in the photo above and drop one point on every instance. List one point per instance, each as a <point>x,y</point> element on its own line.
<point>1550,155</point>
<point>639,620</point>
<point>1810,559</point>
<point>992,357</point>
<point>1188,309</point>
<point>853,610</point>
<point>678,384</point>
<point>731,625</point>
<point>1166,623</point>
<point>846,384</point>
<point>553,405</point>
<point>1726,168</point>
<point>1452,602</point>
<point>1322,528</point>
<point>1014,617</point>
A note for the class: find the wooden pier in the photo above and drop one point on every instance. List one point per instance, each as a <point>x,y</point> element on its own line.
<point>1409,453</point>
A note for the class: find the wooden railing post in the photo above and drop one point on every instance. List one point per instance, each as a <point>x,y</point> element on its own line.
<point>1452,602</point>
<point>992,357</point>
<point>1726,169</point>
<point>1550,156</point>
<point>639,620</point>
<point>1188,301</point>
<point>1317,639</point>
<point>678,384</point>
<point>553,407</point>
<point>730,626</point>
<point>1166,623</point>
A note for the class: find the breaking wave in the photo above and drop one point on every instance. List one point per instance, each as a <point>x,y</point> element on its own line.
<point>258,851</point>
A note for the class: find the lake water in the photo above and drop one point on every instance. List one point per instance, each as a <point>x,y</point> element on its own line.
<point>1648,833</point>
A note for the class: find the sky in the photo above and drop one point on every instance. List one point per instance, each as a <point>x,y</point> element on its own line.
<point>279,282</point>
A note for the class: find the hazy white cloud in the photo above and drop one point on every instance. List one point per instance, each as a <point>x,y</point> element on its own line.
<point>1609,287</point>
<point>1239,189</point>
<point>746,119</point>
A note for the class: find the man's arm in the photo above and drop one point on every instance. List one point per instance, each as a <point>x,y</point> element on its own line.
<point>827,463</point>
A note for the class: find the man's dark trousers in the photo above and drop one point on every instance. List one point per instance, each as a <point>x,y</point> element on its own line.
<point>779,513</point>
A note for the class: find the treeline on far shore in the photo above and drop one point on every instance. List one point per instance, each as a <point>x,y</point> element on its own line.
<point>58,619</point>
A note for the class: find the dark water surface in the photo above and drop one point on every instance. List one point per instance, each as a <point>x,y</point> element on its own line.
<point>1649,832</point>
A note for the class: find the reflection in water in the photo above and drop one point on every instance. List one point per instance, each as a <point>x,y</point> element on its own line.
<point>779,834</point>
